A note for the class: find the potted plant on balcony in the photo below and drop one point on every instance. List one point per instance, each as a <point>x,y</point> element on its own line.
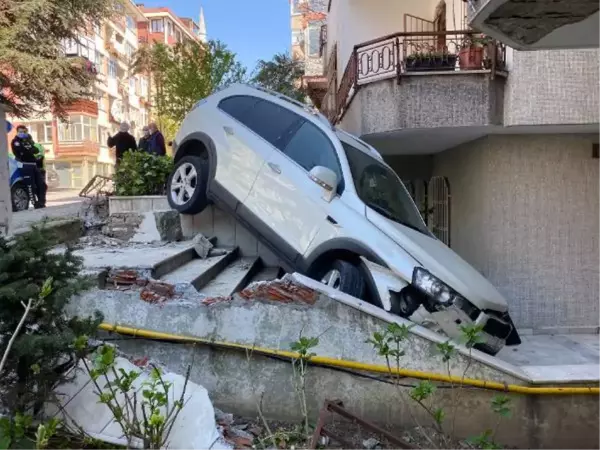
<point>431,60</point>
<point>470,56</point>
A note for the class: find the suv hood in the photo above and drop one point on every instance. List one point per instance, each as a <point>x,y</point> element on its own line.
<point>442,262</point>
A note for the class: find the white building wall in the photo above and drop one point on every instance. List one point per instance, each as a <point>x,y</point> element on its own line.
<point>524,212</point>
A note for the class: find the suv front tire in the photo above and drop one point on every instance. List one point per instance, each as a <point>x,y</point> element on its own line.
<point>187,185</point>
<point>344,276</point>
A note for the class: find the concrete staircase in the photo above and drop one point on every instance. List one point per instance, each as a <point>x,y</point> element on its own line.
<point>177,265</point>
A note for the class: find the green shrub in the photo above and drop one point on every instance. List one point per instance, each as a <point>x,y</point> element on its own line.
<point>43,350</point>
<point>140,173</point>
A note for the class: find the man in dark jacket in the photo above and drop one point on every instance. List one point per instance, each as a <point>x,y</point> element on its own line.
<point>122,141</point>
<point>156,144</point>
<point>24,149</point>
<point>144,142</point>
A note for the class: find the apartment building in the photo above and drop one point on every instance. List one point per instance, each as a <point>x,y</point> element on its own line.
<point>76,149</point>
<point>498,147</point>
<point>538,24</point>
<point>308,23</point>
<point>165,27</point>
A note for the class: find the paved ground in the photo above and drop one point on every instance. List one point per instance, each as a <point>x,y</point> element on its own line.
<point>59,204</point>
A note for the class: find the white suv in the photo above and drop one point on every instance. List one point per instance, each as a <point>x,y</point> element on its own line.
<point>327,204</point>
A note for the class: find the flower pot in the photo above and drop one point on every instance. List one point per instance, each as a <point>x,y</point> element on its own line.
<point>470,58</point>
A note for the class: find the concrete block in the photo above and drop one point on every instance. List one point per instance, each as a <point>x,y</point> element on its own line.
<point>202,245</point>
<point>168,225</point>
<point>147,230</point>
<point>160,204</point>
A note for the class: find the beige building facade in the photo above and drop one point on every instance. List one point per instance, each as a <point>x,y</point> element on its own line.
<point>76,149</point>
<point>498,147</point>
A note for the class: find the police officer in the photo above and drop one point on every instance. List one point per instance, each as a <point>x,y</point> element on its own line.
<point>25,151</point>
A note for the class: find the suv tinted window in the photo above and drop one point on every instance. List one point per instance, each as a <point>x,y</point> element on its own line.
<point>238,106</point>
<point>271,121</point>
<point>310,147</point>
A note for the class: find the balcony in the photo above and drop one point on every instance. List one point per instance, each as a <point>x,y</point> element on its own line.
<point>421,81</point>
<point>80,149</point>
<point>84,106</point>
<point>538,24</point>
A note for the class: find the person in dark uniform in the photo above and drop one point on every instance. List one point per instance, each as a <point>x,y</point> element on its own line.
<point>24,149</point>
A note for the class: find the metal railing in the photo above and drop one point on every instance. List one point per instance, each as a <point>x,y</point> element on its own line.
<point>397,54</point>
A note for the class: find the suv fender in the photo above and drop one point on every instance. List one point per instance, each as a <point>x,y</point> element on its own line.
<point>346,248</point>
<point>196,144</point>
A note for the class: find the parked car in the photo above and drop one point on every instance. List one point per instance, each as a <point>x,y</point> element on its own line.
<point>20,188</point>
<point>329,207</point>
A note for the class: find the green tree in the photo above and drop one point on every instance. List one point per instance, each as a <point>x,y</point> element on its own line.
<point>42,349</point>
<point>281,74</point>
<point>186,73</point>
<point>34,72</point>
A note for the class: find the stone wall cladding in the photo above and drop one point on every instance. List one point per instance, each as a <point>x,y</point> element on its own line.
<point>525,213</point>
<point>553,87</point>
<point>431,101</point>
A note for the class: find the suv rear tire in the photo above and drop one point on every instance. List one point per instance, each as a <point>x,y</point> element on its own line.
<point>187,185</point>
<point>345,277</point>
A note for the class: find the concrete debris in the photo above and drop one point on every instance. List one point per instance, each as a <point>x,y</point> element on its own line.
<point>122,225</point>
<point>223,419</point>
<point>284,290</point>
<point>323,441</point>
<point>371,444</point>
<point>157,292</point>
<point>212,300</point>
<point>202,245</point>
<point>94,212</point>
<point>168,224</point>
<point>147,231</point>
<point>126,277</point>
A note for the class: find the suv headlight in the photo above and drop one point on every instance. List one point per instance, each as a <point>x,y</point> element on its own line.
<point>434,288</point>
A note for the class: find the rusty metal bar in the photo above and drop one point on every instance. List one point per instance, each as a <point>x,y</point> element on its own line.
<point>338,408</point>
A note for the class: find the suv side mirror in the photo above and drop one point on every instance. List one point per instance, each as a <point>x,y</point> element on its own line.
<point>327,179</point>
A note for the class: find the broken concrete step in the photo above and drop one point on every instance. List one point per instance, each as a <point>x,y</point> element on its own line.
<point>199,272</point>
<point>266,274</point>
<point>233,278</point>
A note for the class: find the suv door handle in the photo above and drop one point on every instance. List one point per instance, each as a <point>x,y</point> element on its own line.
<point>274,167</point>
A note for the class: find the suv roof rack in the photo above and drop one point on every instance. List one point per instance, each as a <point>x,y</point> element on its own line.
<point>305,107</point>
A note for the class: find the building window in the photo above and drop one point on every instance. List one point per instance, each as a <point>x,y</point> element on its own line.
<point>144,86</point>
<point>297,37</point>
<point>157,25</point>
<point>112,68</point>
<point>296,6</point>
<point>78,128</point>
<point>130,22</point>
<point>132,85</point>
<point>41,131</point>
<point>179,37</point>
<point>314,40</point>
<point>129,50</point>
<point>169,28</point>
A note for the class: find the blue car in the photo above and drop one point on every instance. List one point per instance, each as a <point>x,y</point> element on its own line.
<point>21,191</point>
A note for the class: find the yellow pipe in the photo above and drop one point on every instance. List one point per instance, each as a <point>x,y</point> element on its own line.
<point>321,360</point>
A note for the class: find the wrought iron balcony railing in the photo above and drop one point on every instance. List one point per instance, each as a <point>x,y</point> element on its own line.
<point>420,52</point>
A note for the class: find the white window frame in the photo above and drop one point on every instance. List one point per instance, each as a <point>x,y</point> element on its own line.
<point>160,25</point>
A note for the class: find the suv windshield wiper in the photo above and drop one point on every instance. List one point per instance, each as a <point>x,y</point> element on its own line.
<point>388,215</point>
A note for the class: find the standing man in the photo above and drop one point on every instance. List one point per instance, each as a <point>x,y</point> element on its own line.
<point>122,141</point>
<point>25,151</point>
<point>157,141</point>
<point>144,143</point>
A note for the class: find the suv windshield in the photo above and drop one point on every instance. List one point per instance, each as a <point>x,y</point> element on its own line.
<point>381,189</point>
